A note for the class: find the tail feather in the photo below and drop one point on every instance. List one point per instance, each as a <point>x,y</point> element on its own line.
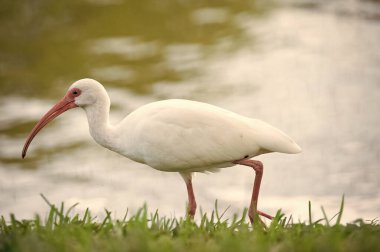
<point>273,139</point>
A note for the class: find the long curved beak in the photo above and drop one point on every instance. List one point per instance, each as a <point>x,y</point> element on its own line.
<point>63,105</point>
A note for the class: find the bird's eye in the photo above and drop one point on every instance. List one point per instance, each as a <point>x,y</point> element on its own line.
<point>75,92</point>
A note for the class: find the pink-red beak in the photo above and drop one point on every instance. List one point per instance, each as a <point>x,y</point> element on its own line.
<point>67,102</point>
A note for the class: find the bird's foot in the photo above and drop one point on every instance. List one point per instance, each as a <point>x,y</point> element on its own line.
<point>254,217</point>
<point>265,215</point>
<point>191,211</point>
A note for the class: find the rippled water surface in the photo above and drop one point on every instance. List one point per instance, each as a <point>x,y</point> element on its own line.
<point>310,68</point>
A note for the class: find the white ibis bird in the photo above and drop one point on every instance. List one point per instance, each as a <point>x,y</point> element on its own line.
<point>175,135</point>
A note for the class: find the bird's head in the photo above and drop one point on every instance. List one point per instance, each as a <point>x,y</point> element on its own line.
<point>82,93</point>
<point>86,92</point>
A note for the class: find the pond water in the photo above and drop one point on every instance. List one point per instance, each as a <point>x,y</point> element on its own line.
<point>310,68</point>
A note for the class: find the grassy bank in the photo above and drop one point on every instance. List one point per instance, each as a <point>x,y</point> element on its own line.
<point>144,231</point>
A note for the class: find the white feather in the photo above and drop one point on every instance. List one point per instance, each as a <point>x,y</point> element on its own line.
<point>183,135</point>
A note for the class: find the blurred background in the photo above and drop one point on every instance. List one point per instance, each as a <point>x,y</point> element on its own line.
<point>310,68</point>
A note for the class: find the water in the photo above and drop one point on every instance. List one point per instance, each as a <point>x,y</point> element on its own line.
<point>308,68</point>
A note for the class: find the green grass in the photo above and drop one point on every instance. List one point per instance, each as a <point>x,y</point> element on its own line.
<point>144,231</point>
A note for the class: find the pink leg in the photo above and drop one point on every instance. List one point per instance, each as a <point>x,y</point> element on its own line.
<point>258,167</point>
<point>192,206</point>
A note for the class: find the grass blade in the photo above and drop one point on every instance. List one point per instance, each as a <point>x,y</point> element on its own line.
<point>310,219</point>
<point>325,216</point>
<point>340,212</point>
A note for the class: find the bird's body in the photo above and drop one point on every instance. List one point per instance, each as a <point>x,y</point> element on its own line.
<point>175,135</point>
<point>187,136</point>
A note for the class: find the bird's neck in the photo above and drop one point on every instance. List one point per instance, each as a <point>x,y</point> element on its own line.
<point>100,128</point>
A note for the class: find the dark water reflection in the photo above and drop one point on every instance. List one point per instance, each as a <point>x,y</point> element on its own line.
<point>131,44</point>
<point>310,68</point>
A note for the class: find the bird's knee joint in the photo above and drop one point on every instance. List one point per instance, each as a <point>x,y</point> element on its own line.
<point>258,166</point>
<point>259,163</point>
<point>259,169</point>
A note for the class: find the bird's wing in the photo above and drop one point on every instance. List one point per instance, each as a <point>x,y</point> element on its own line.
<point>180,135</point>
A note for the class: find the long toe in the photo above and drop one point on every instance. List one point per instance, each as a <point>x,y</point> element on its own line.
<point>265,215</point>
